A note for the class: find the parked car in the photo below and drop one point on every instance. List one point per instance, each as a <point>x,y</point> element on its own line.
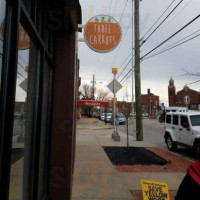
<point>102,116</point>
<point>145,115</point>
<point>120,119</point>
<point>108,117</point>
<point>182,129</point>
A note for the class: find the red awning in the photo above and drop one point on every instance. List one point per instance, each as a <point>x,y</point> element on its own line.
<point>90,103</point>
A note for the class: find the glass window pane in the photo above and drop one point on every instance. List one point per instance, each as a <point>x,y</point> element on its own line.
<point>175,119</point>
<point>168,119</point>
<point>2,25</point>
<point>184,120</point>
<point>20,115</point>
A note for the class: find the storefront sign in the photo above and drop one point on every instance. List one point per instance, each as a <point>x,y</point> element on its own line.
<point>90,103</point>
<point>102,33</point>
<point>153,190</point>
<point>24,39</point>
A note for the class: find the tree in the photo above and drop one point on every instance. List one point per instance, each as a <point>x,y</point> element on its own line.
<point>126,109</point>
<point>87,91</point>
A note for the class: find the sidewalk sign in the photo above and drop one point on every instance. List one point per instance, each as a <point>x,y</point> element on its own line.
<point>153,190</point>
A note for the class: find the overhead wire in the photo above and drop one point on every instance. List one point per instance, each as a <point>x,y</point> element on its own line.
<point>145,40</point>
<point>177,32</point>
<point>158,18</point>
<point>176,44</point>
<point>172,19</point>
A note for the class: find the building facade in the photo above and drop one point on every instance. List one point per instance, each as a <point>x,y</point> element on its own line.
<point>150,103</point>
<point>185,97</point>
<point>38,66</point>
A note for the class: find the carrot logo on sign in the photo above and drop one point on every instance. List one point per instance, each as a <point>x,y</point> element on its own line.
<point>102,33</point>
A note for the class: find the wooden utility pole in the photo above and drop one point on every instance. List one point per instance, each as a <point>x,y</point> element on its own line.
<point>139,127</point>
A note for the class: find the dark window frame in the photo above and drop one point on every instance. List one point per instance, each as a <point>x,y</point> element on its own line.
<point>17,13</point>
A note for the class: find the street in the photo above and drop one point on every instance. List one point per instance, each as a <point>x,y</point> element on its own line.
<point>154,133</point>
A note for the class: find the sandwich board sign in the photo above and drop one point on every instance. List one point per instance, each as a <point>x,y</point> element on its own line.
<point>153,190</point>
<point>102,33</point>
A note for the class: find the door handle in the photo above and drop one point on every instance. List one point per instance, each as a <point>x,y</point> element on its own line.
<point>180,129</point>
<point>173,127</point>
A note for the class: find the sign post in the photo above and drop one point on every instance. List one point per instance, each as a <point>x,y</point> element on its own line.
<point>102,33</point>
<point>114,86</point>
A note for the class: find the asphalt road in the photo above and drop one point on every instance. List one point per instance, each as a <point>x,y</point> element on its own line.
<point>154,133</point>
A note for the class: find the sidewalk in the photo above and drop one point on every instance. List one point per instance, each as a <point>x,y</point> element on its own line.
<point>96,177</point>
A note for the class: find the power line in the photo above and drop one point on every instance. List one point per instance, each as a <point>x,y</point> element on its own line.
<point>121,43</point>
<point>172,19</point>
<point>167,49</point>
<point>163,21</point>
<point>125,66</point>
<point>123,11</point>
<point>189,83</point>
<point>110,6</point>
<point>115,6</point>
<point>159,18</point>
<point>125,61</point>
<point>171,36</point>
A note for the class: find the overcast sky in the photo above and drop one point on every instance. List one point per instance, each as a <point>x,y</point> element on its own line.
<point>155,72</point>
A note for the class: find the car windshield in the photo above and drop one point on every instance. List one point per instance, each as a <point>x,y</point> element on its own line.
<point>109,114</point>
<point>120,115</point>
<point>195,120</point>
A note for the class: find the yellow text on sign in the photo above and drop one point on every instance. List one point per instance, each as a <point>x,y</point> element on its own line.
<point>153,190</point>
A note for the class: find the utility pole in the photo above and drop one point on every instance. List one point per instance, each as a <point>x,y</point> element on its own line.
<point>139,126</point>
<point>93,84</point>
<point>132,74</point>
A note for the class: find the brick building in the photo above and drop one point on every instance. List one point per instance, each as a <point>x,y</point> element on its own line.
<point>178,99</point>
<point>150,103</point>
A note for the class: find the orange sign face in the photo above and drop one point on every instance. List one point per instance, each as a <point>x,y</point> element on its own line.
<point>102,33</point>
<point>24,39</point>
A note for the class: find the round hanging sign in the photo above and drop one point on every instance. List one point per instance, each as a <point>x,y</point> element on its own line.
<point>102,33</point>
<point>24,39</point>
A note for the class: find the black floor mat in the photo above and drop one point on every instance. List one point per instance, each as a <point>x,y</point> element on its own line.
<point>17,154</point>
<point>134,156</point>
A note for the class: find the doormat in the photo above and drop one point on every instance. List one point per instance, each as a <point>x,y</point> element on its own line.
<point>133,156</point>
<point>17,154</point>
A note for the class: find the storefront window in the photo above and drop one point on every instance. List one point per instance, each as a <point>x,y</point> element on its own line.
<point>2,23</point>
<point>20,115</point>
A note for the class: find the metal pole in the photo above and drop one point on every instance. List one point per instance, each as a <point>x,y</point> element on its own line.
<point>139,126</point>
<point>115,135</point>
<point>133,109</point>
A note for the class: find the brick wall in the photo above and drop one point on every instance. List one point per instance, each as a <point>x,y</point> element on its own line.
<point>149,100</point>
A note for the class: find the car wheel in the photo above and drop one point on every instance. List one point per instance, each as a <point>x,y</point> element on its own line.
<point>170,144</point>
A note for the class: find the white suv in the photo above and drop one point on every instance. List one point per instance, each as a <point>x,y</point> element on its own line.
<point>182,129</point>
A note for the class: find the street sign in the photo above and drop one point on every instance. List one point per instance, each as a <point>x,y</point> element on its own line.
<point>114,86</point>
<point>102,33</point>
<point>24,85</point>
<point>154,190</point>
<point>90,103</point>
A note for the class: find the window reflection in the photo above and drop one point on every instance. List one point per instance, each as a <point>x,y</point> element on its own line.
<point>2,21</point>
<point>19,124</point>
